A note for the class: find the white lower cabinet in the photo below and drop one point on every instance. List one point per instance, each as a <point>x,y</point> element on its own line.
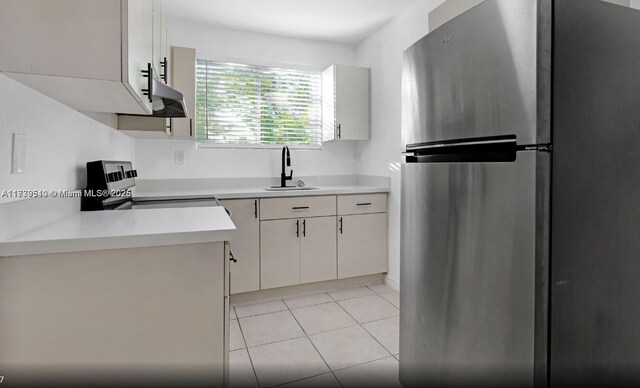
<point>295,251</point>
<point>245,272</point>
<point>362,244</point>
<point>318,250</point>
<point>279,253</point>
<point>312,239</point>
<point>146,314</point>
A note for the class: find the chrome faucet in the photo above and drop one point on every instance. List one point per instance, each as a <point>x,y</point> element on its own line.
<point>283,176</point>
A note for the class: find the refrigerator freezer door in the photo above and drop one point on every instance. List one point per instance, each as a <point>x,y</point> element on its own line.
<point>467,270</point>
<point>474,76</point>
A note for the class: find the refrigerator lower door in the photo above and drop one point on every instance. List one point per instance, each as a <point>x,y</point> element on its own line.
<point>468,272</point>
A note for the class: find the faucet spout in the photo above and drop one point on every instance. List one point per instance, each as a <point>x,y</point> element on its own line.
<point>286,157</point>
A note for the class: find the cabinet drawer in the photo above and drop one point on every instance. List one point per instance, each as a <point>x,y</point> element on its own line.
<point>362,204</point>
<point>297,207</point>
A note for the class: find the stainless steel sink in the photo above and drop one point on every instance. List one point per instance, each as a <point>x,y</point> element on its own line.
<point>289,188</point>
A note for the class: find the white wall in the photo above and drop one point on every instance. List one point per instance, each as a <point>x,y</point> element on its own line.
<point>635,4</point>
<point>60,141</point>
<point>155,158</point>
<point>382,52</point>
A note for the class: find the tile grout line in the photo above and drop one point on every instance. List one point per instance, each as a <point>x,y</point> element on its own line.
<point>314,345</point>
<point>253,368</point>
<point>257,315</point>
<point>275,342</point>
<point>311,305</point>
<point>365,329</point>
<point>365,363</point>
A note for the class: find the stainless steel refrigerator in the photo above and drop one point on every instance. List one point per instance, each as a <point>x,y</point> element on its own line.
<point>520,255</point>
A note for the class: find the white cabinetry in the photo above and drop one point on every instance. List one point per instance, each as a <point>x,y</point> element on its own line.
<point>245,272</point>
<point>297,240</point>
<point>318,250</point>
<point>362,235</point>
<point>279,253</point>
<point>183,78</point>
<point>181,73</point>
<point>158,310</point>
<point>89,55</point>
<point>160,48</point>
<point>345,103</point>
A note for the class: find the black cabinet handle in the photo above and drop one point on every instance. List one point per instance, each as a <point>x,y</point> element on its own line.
<point>149,75</point>
<point>232,258</point>
<point>299,207</point>
<point>340,225</point>
<point>297,228</point>
<point>364,204</point>
<point>304,228</point>
<point>170,127</point>
<point>255,208</point>
<point>165,70</point>
<point>190,127</point>
<point>339,131</point>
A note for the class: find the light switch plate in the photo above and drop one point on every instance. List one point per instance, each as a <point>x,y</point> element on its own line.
<point>18,153</point>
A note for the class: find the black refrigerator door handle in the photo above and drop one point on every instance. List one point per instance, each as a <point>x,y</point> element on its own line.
<point>470,150</point>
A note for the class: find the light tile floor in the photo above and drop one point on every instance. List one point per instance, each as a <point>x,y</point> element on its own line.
<point>340,338</point>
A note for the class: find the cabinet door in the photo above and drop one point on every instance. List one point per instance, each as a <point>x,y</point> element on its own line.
<point>329,105</point>
<point>362,245</point>
<point>245,273</point>
<point>80,39</point>
<point>138,48</point>
<point>318,259</point>
<point>159,39</point>
<point>279,253</point>
<point>352,102</point>
<point>183,78</point>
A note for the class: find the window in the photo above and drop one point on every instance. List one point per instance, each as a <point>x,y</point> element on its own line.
<point>254,105</point>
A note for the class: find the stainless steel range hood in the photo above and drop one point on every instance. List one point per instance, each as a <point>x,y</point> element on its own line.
<point>167,101</point>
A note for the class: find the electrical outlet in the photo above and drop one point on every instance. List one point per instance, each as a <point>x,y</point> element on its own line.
<point>179,157</point>
<point>18,153</point>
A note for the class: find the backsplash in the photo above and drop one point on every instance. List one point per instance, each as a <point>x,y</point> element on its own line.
<point>60,141</point>
<point>155,160</point>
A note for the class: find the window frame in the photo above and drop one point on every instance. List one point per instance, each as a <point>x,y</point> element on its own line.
<point>276,65</point>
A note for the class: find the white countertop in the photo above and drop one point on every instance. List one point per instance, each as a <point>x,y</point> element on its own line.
<point>256,192</point>
<point>98,230</point>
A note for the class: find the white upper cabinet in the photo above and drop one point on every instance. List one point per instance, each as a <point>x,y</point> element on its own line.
<point>183,79</point>
<point>345,103</point>
<point>181,73</point>
<point>160,48</point>
<point>138,50</point>
<point>89,55</point>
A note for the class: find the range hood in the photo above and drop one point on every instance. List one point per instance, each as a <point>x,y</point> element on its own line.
<point>166,101</point>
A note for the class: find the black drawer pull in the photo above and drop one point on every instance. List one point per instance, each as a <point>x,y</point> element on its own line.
<point>364,204</point>
<point>299,207</point>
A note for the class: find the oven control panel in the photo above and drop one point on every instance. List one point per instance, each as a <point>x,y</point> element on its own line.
<point>110,175</point>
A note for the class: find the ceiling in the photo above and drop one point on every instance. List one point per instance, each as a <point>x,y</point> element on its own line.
<point>340,21</point>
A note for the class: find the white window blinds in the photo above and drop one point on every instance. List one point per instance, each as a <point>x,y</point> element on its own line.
<point>245,104</point>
